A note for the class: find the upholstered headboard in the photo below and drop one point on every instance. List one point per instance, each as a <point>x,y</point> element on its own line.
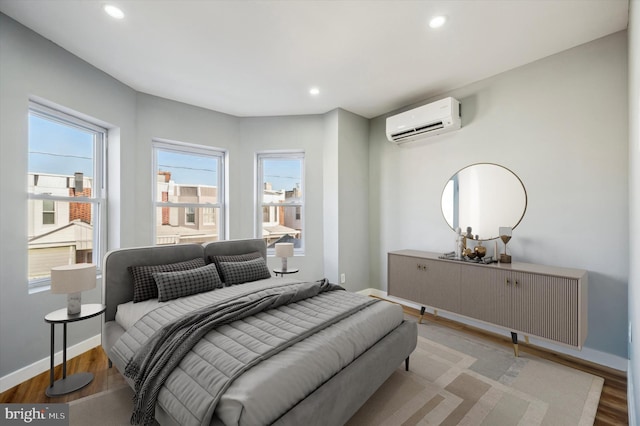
<point>118,282</point>
<point>226,248</point>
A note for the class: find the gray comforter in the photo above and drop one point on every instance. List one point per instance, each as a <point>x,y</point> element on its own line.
<point>208,358</point>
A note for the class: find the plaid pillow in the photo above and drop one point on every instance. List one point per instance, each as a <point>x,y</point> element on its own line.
<point>172,285</point>
<point>243,272</point>
<point>232,258</point>
<point>144,287</point>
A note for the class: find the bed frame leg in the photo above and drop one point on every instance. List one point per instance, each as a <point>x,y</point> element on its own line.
<point>406,364</point>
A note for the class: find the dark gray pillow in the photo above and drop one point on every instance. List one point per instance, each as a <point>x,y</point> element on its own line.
<point>232,258</point>
<point>172,285</point>
<point>243,272</point>
<point>144,286</point>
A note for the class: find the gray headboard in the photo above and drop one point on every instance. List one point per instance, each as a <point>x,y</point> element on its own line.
<point>235,247</point>
<point>118,282</point>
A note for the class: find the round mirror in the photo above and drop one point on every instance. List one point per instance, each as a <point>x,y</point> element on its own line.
<point>484,197</point>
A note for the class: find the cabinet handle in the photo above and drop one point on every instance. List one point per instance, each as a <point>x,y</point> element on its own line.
<point>421,267</point>
<point>508,281</point>
<point>516,283</point>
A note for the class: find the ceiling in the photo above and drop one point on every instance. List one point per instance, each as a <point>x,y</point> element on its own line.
<point>260,58</point>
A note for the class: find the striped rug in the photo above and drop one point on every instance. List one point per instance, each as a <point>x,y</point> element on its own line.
<point>457,379</point>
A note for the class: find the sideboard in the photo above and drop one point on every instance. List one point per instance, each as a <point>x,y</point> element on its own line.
<point>534,300</point>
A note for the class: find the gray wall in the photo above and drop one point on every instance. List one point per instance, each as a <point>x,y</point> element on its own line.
<point>560,124</point>
<point>160,118</point>
<point>634,194</point>
<point>346,197</point>
<point>304,132</point>
<point>353,200</point>
<point>33,66</point>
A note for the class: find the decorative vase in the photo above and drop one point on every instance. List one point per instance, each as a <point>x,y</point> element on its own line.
<point>480,250</point>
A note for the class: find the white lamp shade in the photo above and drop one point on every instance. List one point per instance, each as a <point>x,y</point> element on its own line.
<point>73,278</point>
<point>284,249</point>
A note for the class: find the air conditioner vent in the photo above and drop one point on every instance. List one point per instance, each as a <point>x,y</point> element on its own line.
<point>428,120</point>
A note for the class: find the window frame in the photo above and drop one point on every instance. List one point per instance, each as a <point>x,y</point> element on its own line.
<point>185,148</point>
<point>98,199</point>
<point>258,199</point>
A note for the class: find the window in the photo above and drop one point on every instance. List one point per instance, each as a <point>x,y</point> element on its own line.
<point>209,216</point>
<point>48,212</point>
<point>280,198</point>
<point>188,193</point>
<point>66,204</point>
<point>191,215</point>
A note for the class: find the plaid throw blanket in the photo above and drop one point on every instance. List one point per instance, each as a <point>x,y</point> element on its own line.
<point>154,361</point>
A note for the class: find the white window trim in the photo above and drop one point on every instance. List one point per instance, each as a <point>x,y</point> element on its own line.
<point>190,149</point>
<point>259,182</point>
<point>98,200</point>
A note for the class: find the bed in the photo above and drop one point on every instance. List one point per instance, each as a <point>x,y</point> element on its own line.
<point>321,375</point>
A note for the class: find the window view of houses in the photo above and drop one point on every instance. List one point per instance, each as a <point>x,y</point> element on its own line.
<point>60,232</point>
<point>65,194</point>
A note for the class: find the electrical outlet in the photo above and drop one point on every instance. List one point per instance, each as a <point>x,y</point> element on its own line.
<point>343,278</point>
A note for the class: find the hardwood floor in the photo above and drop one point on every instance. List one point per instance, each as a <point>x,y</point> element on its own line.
<point>93,361</point>
<point>612,409</point>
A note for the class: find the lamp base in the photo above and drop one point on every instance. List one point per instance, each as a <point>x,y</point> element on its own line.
<point>284,264</point>
<point>74,303</point>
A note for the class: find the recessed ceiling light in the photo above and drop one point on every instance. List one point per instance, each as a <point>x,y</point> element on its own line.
<point>437,21</point>
<point>113,11</point>
<point>314,91</point>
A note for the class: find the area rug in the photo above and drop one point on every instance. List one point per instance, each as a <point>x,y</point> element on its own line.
<point>454,379</point>
<point>458,379</point>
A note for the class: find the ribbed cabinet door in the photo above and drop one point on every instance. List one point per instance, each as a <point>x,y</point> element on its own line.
<point>405,278</point>
<point>545,306</point>
<point>441,285</point>
<point>482,295</point>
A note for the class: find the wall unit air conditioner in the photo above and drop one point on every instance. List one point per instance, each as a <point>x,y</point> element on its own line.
<point>432,119</point>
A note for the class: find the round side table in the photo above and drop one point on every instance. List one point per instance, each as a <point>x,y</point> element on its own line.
<point>279,271</point>
<point>75,381</point>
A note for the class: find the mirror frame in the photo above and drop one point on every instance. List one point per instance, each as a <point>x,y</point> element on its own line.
<point>524,190</point>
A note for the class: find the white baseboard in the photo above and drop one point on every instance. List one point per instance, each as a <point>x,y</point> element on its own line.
<point>30,371</point>
<point>587,354</point>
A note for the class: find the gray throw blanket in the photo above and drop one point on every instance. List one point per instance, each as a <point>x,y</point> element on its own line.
<point>154,361</point>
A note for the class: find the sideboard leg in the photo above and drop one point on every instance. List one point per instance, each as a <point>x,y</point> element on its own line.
<point>526,339</point>
<point>514,340</point>
<point>422,309</point>
<point>406,364</point>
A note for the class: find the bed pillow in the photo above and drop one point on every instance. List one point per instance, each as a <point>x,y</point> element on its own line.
<point>172,285</point>
<point>232,258</point>
<point>144,286</point>
<point>243,272</point>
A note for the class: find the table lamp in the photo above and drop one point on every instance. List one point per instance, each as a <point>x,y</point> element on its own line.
<point>73,280</point>
<point>284,250</point>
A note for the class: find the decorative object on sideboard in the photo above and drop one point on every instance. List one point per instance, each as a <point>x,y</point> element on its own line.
<point>505,236</point>
<point>72,280</point>
<point>284,250</point>
<point>457,253</point>
<point>480,250</point>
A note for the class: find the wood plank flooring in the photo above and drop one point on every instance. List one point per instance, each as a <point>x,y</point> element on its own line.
<point>612,409</point>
